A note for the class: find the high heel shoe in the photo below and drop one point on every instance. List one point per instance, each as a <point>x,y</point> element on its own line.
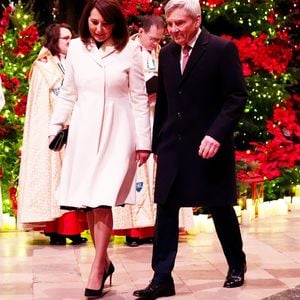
<point>107,274</point>
<point>93,294</point>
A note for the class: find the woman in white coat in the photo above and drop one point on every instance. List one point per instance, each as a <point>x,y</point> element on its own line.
<point>109,133</point>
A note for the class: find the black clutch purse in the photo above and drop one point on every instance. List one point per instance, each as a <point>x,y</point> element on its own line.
<point>59,140</point>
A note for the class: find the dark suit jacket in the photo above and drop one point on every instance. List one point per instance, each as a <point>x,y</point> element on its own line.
<point>208,99</point>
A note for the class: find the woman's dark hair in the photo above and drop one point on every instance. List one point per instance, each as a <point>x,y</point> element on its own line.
<point>52,35</point>
<point>111,12</point>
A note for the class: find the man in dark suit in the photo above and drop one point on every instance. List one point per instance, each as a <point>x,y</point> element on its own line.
<point>197,109</point>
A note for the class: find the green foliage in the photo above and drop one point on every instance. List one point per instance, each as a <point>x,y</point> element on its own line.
<point>242,17</point>
<point>264,91</point>
<point>283,185</point>
<point>19,47</point>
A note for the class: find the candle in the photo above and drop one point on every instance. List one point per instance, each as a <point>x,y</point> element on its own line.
<point>249,203</point>
<point>296,202</point>
<point>8,222</point>
<point>246,217</point>
<point>252,212</point>
<point>237,210</point>
<point>262,210</point>
<point>283,207</point>
<point>288,201</point>
<point>208,225</point>
<point>297,190</point>
<point>199,221</point>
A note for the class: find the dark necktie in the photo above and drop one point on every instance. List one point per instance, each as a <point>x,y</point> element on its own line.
<point>185,57</point>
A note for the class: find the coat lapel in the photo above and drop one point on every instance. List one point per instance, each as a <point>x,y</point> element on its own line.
<point>197,52</point>
<point>176,52</point>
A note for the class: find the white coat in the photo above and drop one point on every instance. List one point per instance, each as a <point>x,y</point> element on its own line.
<point>105,91</point>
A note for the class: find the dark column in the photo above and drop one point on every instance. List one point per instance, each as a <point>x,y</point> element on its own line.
<point>70,12</point>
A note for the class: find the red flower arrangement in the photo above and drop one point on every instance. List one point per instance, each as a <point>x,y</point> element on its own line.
<point>260,54</point>
<point>282,151</point>
<point>136,7</point>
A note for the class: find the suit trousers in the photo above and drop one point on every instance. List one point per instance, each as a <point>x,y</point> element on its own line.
<point>165,244</point>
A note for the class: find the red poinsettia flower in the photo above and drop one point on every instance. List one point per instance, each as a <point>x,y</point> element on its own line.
<point>28,37</point>
<point>20,107</point>
<point>260,54</point>
<point>271,17</point>
<point>136,7</point>
<point>13,198</point>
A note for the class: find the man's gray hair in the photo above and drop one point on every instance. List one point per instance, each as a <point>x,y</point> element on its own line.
<point>192,7</point>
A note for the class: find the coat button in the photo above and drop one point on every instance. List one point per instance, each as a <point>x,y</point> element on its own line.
<point>179,137</point>
<point>179,115</point>
<point>180,92</point>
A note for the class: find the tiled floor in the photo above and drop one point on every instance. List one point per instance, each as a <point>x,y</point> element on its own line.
<point>31,269</point>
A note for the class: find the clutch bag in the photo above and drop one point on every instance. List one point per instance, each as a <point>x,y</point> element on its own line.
<point>59,140</point>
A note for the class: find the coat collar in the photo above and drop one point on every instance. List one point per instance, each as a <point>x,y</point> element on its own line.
<point>99,54</point>
<point>197,52</point>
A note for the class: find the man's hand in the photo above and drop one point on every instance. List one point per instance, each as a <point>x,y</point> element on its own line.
<point>208,147</point>
<point>141,156</point>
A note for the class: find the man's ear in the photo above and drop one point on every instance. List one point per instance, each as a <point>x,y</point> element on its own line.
<point>198,20</point>
<point>141,30</point>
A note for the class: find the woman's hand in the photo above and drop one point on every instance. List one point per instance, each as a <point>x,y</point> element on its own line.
<point>152,98</point>
<point>141,156</point>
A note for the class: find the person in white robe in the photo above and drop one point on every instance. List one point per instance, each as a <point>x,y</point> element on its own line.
<point>40,168</point>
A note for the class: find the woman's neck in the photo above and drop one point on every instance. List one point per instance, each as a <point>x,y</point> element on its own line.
<point>99,44</point>
<point>61,56</point>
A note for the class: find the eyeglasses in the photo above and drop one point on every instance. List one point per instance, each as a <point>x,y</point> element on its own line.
<point>152,39</point>
<point>65,38</point>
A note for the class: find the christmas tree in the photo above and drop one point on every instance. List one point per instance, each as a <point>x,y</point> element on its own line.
<point>19,44</point>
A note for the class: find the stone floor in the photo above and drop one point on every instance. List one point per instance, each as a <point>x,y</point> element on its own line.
<point>32,269</point>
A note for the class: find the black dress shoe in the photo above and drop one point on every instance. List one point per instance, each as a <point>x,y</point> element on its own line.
<point>57,239</point>
<point>156,290</point>
<point>132,242</point>
<point>235,277</point>
<point>77,239</point>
